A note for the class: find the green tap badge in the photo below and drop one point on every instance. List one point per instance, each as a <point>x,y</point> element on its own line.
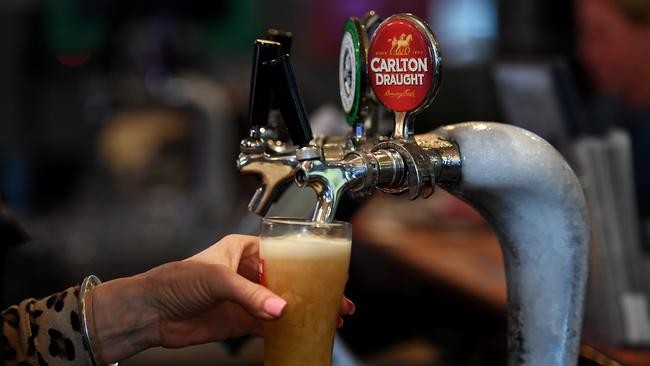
<point>353,71</point>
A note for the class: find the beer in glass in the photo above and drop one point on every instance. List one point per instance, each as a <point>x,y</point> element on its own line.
<point>305,263</point>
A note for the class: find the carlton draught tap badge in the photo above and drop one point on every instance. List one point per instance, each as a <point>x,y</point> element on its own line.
<point>404,63</point>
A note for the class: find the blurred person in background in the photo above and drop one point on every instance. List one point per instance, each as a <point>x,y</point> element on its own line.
<point>614,46</point>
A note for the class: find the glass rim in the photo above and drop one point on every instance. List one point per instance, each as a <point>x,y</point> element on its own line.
<point>304,222</point>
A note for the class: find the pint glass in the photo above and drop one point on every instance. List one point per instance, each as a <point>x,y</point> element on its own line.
<point>305,263</point>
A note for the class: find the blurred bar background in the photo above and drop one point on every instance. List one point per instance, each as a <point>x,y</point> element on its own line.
<point>120,123</point>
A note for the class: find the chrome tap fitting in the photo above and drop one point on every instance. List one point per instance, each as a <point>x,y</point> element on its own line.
<point>359,171</point>
<point>276,172</point>
<point>332,166</point>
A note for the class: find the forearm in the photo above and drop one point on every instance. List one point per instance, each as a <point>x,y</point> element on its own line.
<point>124,322</point>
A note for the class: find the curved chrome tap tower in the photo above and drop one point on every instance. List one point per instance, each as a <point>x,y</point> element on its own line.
<point>517,181</point>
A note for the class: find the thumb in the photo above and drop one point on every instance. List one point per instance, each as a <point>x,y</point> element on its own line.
<point>258,300</point>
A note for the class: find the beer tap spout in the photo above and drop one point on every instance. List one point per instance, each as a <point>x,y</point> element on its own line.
<point>330,180</point>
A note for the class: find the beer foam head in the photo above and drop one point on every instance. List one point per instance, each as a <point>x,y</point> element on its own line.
<point>303,245</point>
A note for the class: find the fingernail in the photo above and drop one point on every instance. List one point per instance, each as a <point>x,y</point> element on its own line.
<point>340,322</point>
<point>353,308</point>
<point>274,306</point>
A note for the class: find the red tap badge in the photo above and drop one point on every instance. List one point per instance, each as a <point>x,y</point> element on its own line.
<point>404,63</point>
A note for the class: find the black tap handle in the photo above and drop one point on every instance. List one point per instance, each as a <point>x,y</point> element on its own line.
<point>282,37</point>
<point>288,96</point>
<point>261,82</point>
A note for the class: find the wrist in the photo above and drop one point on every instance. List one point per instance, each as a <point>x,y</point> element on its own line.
<point>124,322</point>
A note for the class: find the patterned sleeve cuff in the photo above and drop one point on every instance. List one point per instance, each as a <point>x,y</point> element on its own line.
<point>45,332</point>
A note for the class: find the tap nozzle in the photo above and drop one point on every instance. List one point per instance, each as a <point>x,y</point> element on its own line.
<point>275,174</point>
<point>330,180</point>
<point>358,171</point>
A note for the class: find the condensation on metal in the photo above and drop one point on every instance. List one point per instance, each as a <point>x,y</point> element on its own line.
<point>535,204</point>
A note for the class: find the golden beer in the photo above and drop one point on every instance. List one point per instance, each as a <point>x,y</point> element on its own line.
<point>309,272</point>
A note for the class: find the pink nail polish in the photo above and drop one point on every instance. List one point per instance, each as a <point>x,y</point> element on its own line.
<point>340,323</point>
<point>274,306</point>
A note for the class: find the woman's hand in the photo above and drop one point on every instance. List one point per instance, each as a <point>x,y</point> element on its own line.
<point>211,296</point>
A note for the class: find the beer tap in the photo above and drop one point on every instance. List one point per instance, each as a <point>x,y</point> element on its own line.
<point>393,165</point>
<point>273,87</point>
<point>517,181</point>
<point>273,166</point>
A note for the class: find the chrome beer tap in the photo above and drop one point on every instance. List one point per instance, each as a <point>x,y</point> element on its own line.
<point>273,161</point>
<point>273,90</point>
<point>396,164</point>
<point>519,183</point>
<point>262,152</point>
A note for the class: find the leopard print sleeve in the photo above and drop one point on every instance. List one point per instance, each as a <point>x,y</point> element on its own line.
<point>44,332</point>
